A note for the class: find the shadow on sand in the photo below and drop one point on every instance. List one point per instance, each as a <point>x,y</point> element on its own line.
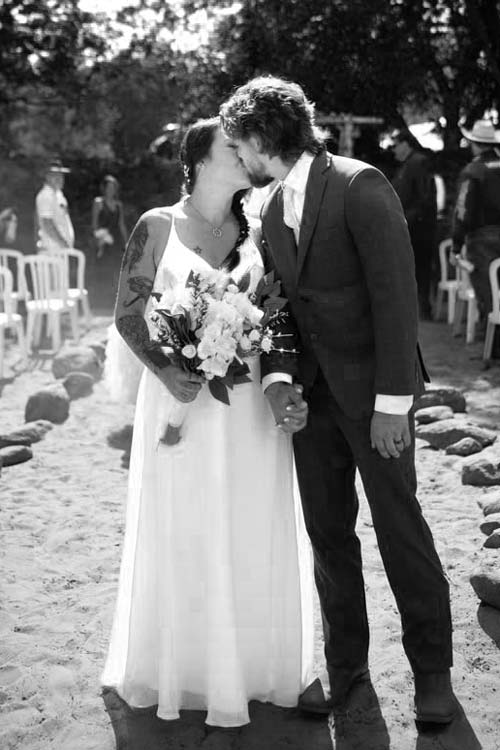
<point>360,727</point>
<point>271,728</point>
<point>459,735</point>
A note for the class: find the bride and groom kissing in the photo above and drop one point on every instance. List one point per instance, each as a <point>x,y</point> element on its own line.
<point>213,601</point>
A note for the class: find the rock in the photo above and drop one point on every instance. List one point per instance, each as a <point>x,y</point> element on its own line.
<point>78,384</point>
<point>442,397</point>
<point>121,438</point>
<point>481,473</point>
<point>430,414</point>
<point>449,431</point>
<point>487,587</point>
<point>490,523</point>
<point>31,432</point>
<point>100,350</point>
<point>489,507</point>
<point>76,359</point>
<point>51,403</point>
<point>15,454</point>
<point>465,447</point>
<point>489,620</point>
<point>493,541</point>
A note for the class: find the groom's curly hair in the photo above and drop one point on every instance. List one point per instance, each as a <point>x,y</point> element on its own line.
<point>277,112</point>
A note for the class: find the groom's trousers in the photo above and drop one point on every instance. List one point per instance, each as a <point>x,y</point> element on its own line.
<point>327,452</point>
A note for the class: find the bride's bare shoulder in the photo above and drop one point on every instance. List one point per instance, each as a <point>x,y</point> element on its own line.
<point>159,216</point>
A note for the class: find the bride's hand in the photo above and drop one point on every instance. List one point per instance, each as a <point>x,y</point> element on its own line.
<point>184,386</point>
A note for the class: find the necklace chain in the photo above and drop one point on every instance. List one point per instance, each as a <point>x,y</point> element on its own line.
<point>216,231</point>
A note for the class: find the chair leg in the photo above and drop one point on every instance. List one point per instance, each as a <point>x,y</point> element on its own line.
<point>452,297</point>
<point>21,340</point>
<point>55,330</point>
<point>30,331</point>
<point>488,340</point>
<point>439,304</point>
<point>472,316</point>
<point>37,328</point>
<point>2,332</point>
<point>86,309</point>
<point>73,316</point>
<point>457,318</point>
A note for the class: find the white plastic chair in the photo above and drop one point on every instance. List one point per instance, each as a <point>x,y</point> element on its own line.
<point>78,294</point>
<point>49,298</point>
<point>446,285</point>
<point>14,261</point>
<point>9,319</point>
<point>465,301</point>
<point>494,315</point>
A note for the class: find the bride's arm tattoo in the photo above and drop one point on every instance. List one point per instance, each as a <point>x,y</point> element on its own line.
<point>134,290</point>
<point>135,331</point>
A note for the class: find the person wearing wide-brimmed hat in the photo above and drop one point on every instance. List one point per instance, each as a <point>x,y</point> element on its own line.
<point>476,219</point>
<point>54,227</point>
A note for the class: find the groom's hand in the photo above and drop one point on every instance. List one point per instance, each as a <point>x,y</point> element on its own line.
<point>390,434</point>
<point>288,406</point>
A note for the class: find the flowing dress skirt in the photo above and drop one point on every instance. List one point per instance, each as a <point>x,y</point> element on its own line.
<point>215,593</point>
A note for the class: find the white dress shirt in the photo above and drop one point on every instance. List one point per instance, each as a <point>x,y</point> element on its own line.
<point>52,204</point>
<point>294,193</point>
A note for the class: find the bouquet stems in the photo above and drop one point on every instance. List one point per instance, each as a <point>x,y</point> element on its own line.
<point>172,432</point>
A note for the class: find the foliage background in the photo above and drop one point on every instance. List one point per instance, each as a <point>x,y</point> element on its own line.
<point>97,88</point>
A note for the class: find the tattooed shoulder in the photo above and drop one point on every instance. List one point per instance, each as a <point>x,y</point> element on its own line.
<point>136,244</point>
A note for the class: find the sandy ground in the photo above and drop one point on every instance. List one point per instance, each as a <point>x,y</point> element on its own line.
<point>61,523</point>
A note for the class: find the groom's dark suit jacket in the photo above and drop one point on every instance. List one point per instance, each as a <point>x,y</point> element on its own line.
<point>350,284</point>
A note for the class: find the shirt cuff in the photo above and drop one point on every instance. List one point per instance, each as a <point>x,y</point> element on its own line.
<point>275,377</point>
<point>393,404</point>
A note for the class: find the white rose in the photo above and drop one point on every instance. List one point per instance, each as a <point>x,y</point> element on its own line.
<point>266,344</point>
<point>245,343</point>
<point>254,336</point>
<point>188,351</point>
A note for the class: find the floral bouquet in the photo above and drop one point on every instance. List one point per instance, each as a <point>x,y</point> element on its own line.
<point>209,326</point>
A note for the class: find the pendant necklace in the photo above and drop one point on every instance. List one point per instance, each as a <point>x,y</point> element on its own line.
<point>217,232</point>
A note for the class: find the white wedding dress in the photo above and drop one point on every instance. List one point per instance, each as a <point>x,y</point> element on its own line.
<point>215,597</point>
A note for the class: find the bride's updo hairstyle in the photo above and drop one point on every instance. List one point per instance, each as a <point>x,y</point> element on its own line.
<point>195,147</point>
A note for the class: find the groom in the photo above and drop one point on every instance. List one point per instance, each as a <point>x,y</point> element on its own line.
<point>335,232</point>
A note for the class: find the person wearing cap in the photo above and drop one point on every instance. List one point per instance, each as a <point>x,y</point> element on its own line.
<point>476,218</point>
<point>414,183</point>
<point>54,227</point>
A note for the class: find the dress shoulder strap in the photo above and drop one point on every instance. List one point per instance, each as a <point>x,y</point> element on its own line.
<point>164,226</point>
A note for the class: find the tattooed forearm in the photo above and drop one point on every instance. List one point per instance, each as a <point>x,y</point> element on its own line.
<point>134,330</point>
<point>141,286</point>
<point>136,245</point>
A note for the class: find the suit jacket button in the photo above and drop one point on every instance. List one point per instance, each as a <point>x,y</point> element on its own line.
<point>314,336</point>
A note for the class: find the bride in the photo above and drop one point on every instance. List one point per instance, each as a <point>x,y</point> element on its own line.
<point>214,604</point>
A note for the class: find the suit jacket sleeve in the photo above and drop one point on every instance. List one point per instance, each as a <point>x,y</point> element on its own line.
<point>377,224</point>
<point>286,337</point>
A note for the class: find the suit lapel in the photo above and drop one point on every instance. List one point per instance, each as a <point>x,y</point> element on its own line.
<point>315,188</point>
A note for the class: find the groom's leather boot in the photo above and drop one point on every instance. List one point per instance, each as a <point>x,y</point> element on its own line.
<point>322,696</point>
<point>434,698</point>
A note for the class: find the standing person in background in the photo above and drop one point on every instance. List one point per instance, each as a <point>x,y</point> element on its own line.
<point>8,226</point>
<point>415,186</point>
<point>54,228</point>
<point>108,228</point>
<point>108,225</point>
<point>476,219</point>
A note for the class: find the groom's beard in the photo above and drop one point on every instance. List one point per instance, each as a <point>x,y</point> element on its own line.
<point>258,177</point>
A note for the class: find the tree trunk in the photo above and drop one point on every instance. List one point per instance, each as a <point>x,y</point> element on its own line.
<point>451,111</point>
